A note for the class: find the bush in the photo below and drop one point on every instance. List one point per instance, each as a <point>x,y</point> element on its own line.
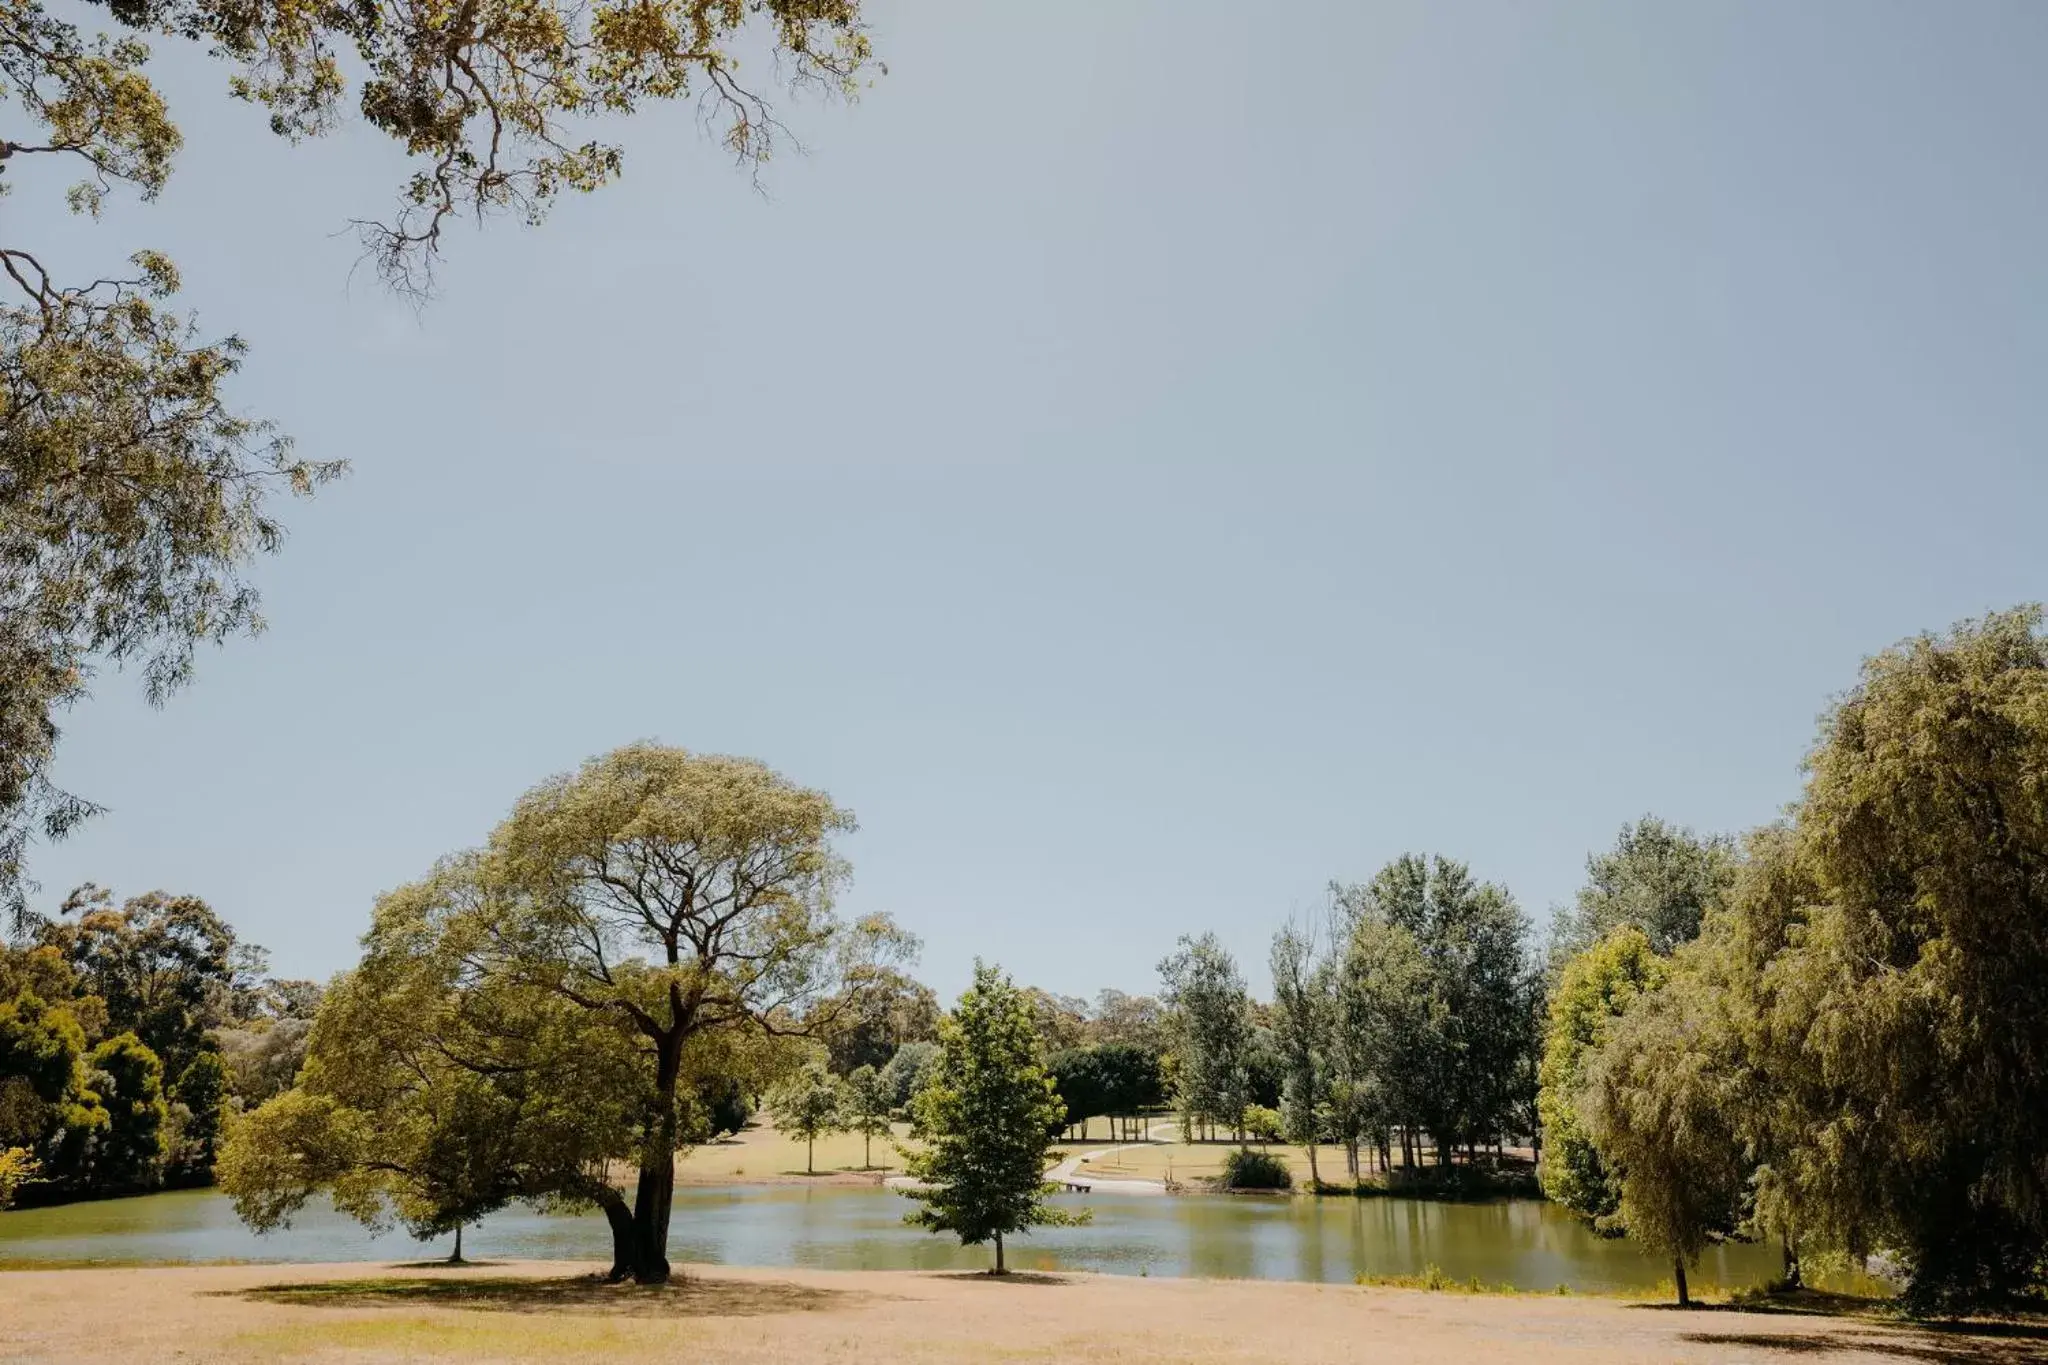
<point>1244,1169</point>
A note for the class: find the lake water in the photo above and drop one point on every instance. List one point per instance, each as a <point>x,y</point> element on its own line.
<point>1527,1243</point>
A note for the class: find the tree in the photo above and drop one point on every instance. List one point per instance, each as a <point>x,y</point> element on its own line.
<point>263,1058</point>
<point>681,901</point>
<point>1659,878</point>
<point>1464,1074</point>
<point>1061,1020</point>
<point>1212,1030</point>
<point>48,1108</point>
<point>1881,962</point>
<point>882,1012</point>
<point>809,1105</point>
<point>433,1095</point>
<point>166,966</point>
<point>200,1099</point>
<point>907,1072</point>
<point>1596,987</point>
<point>131,1084</point>
<point>1385,1038</point>
<point>18,1166</point>
<point>1301,1007</point>
<point>1661,1112</point>
<point>1131,1081</point>
<point>1078,1081</point>
<point>1129,1020</point>
<point>866,1110</point>
<point>987,1116</point>
<point>136,494</point>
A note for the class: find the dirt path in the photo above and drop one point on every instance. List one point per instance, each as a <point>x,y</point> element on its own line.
<point>381,1315</point>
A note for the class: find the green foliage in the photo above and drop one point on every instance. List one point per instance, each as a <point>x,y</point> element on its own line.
<point>1662,1112</point>
<point>882,1011</point>
<point>1264,1125</point>
<point>809,1105</point>
<point>47,1104</point>
<point>1304,1024</point>
<point>201,1094</point>
<point>167,967</point>
<point>1596,987</point>
<point>1659,878</point>
<point>263,1057</point>
<point>907,1072</point>
<point>18,1166</point>
<point>865,1109</point>
<point>987,1116</point>
<point>130,1081</point>
<point>1211,1022</point>
<point>1245,1169</point>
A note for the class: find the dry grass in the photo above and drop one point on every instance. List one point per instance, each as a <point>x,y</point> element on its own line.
<point>761,1155</point>
<point>362,1315</point>
<point>1192,1161</point>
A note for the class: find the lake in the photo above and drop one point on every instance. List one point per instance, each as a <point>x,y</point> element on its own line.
<point>1527,1243</point>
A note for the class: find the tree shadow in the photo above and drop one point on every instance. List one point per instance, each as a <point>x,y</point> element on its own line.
<point>443,1263</point>
<point>1007,1277</point>
<point>584,1294</point>
<point>1977,1348</point>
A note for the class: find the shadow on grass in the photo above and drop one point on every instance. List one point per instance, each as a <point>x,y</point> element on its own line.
<point>578,1295</point>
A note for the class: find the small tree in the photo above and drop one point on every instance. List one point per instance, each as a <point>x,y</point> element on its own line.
<point>867,1110</point>
<point>988,1115</point>
<point>809,1105</point>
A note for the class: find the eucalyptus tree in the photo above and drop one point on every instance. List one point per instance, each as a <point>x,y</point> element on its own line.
<point>866,1110</point>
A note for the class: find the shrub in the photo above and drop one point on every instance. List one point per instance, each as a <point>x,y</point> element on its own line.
<point>1248,1170</point>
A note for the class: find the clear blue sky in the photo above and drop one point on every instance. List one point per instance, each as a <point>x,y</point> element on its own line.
<point>1149,459</point>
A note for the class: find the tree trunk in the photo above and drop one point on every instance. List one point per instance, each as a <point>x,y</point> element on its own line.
<point>1792,1280</point>
<point>655,1198</point>
<point>1000,1269</point>
<point>1314,1178</point>
<point>867,1150</point>
<point>455,1256</point>
<point>1678,1273</point>
<point>810,1154</point>
<point>623,1242</point>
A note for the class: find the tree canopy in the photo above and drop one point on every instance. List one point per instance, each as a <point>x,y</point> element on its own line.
<point>670,910</point>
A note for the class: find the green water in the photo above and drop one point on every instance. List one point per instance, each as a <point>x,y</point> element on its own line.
<point>1521,1242</point>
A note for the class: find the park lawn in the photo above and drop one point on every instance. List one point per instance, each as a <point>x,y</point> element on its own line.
<point>1191,1161</point>
<point>761,1154</point>
<point>559,1312</point>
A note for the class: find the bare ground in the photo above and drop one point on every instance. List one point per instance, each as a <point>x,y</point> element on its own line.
<point>368,1315</point>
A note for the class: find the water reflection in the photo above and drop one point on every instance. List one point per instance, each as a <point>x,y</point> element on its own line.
<point>1524,1243</point>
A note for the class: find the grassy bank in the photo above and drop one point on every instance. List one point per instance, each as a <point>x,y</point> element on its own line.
<point>370,1315</point>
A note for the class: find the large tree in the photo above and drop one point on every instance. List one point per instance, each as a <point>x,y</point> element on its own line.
<point>134,492</point>
<point>987,1118</point>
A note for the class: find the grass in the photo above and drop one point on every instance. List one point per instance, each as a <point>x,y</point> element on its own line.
<point>761,1153</point>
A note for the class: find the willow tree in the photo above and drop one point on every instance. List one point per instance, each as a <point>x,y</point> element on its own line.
<point>134,490</point>
<point>689,900</point>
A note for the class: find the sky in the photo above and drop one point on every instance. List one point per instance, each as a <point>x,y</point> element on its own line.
<point>1146,459</point>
